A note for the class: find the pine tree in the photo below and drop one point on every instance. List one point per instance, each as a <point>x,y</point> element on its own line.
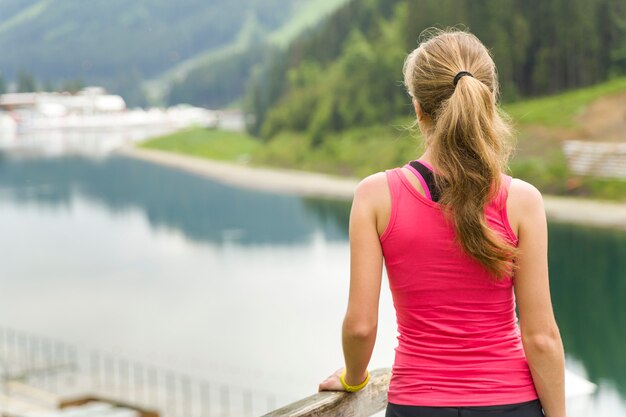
<point>26,82</point>
<point>3,85</point>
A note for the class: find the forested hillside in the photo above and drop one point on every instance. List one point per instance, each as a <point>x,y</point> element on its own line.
<point>222,77</point>
<point>348,73</point>
<point>120,43</point>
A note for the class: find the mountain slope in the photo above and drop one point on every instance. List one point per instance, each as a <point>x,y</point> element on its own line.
<point>118,43</point>
<point>348,73</point>
<point>219,77</point>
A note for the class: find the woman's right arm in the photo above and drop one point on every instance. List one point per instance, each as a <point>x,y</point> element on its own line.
<point>540,334</point>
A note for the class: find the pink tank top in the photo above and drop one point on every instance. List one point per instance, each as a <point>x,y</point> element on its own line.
<point>458,339</point>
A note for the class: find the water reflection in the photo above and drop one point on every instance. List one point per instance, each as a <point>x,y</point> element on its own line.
<point>207,279</point>
<point>588,268</point>
<point>203,210</point>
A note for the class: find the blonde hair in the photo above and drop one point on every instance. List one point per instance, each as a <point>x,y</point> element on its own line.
<point>468,138</point>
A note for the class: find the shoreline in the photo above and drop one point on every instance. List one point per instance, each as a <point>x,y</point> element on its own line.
<point>283,181</point>
<point>585,212</point>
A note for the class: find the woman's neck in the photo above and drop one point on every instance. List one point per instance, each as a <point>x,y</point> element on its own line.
<point>426,157</point>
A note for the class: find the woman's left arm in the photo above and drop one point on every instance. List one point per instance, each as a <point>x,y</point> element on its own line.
<point>366,261</point>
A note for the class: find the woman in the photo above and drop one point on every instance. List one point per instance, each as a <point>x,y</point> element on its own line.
<point>461,242</point>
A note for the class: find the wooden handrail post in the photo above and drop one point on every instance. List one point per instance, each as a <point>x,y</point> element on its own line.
<point>364,403</point>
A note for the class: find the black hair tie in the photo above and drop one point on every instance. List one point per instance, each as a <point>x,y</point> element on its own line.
<point>458,76</point>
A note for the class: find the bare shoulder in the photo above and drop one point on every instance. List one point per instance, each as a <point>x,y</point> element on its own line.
<point>524,196</point>
<point>372,188</point>
<point>524,205</point>
<point>372,199</point>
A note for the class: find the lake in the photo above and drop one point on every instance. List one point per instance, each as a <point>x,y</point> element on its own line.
<point>241,291</point>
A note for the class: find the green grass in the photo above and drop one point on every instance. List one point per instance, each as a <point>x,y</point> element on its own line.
<point>561,110</point>
<point>548,173</point>
<point>602,188</point>
<point>356,152</point>
<point>207,143</point>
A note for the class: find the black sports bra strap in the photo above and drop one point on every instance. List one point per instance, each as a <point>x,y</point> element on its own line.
<point>429,178</point>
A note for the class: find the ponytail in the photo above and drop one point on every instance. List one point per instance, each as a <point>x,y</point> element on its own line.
<point>453,78</point>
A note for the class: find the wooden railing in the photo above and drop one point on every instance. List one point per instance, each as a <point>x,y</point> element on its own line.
<point>364,403</point>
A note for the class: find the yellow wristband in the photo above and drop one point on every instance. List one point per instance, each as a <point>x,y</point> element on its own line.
<point>353,388</point>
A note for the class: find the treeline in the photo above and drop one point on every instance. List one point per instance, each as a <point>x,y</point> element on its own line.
<point>27,82</point>
<point>347,73</point>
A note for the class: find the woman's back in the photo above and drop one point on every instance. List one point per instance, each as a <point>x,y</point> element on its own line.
<point>450,264</point>
<point>458,337</point>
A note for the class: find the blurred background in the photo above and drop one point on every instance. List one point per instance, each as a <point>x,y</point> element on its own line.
<point>146,269</point>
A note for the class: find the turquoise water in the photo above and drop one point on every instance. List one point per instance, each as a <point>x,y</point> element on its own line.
<point>588,283</point>
<point>243,287</point>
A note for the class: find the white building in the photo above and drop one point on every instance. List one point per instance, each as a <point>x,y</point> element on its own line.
<point>87,120</point>
<point>91,100</point>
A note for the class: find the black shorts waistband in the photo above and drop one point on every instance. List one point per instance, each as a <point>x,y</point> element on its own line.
<point>525,409</point>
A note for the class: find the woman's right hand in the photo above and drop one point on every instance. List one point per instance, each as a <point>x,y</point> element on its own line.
<point>332,383</point>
